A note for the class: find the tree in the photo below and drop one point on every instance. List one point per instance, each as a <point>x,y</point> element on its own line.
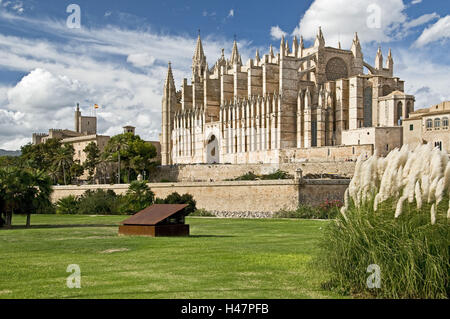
<point>23,191</point>
<point>76,170</point>
<point>132,151</point>
<point>138,197</point>
<point>64,159</point>
<point>176,198</point>
<point>10,161</point>
<point>92,159</point>
<point>114,149</point>
<point>67,205</point>
<point>40,156</point>
<point>103,166</point>
<point>39,193</point>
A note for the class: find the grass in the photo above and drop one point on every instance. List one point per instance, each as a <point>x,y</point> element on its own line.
<point>224,258</point>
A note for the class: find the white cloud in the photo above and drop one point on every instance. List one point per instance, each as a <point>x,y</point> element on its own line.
<point>416,1</point>
<point>231,13</point>
<point>421,20</point>
<point>16,6</point>
<point>276,32</point>
<point>141,60</point>
<point>42,91</point>
<point>425,79</point>
<point>340,19</point>
<point>438,31</point>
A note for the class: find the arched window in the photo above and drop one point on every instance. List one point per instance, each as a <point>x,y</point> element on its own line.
<point>445,122</point>
<point>368,107</point>
<point>437,123</point>
<point>429,124</point>
<point>399,113</point>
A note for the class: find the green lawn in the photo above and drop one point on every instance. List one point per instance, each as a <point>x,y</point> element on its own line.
<point>223,258</point>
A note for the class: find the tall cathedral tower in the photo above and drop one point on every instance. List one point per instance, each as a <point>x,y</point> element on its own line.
<point>168,109</point>
<point>199,60</point>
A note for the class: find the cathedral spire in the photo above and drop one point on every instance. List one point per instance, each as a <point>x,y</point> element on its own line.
<point>235,58</point>
<point>320,40</point>
<point>199,59</point>
<point>356,47</point>
<point>288,50</point>
<point>257,58</point>
<point>271,51</point>
<point>199,54</point>
<point>169,78</point>
<point>295,46</point>
<point>301,47</point>
<point>282,47</point>
<point>390,63</point>
<point>379,60</point>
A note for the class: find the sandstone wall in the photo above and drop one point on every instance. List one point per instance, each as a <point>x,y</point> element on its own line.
<point>241,196</point>
<point>221,172</point>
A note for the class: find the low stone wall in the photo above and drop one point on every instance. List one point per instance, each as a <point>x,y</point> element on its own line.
<point>221,172</point>
<point>225,198</point>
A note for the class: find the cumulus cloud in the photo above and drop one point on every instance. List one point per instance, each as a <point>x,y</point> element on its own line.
<point>425,79</point>
<point>141,60</point>
<point>276,32</point>
<point>374,20</point>
<point>41,91</point>
<point>438,31</point>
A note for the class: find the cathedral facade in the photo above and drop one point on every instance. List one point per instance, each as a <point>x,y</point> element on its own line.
<point>282,105</point>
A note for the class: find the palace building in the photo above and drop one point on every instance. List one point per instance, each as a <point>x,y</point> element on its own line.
<point>301,103</point>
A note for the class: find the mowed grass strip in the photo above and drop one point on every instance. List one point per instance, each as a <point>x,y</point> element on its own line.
<point>223,258</point>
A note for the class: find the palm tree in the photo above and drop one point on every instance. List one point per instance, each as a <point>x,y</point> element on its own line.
<point>11,190</point>
<point>103,166</point>
<point>41,184</point>
<point>116,146</point>
<point>64,159</point>
<point>53,173</point>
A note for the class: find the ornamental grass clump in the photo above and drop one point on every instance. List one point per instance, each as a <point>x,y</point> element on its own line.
<point>396,216</point>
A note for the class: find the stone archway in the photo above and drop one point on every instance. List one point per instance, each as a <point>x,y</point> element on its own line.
<point>212,150</point>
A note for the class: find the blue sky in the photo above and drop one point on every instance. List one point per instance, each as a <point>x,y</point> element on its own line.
<point>118,58</point>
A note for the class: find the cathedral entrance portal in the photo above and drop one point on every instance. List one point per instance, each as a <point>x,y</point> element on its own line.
<point>212,150</point>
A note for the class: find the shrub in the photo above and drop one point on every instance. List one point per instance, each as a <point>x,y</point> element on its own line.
<point>326,210</point>
<point>67,205</point>
<point>329,209</point>
<point>250,176</point>
<point>176,198</point>
<point>396,216</point>
<point>277,175</point>
<point>202,213</point>
<point>138,197</point>
<point>98,202</point>
<point>412,254</point>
